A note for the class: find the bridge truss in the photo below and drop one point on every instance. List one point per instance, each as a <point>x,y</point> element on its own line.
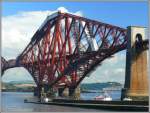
<point>66,48</point>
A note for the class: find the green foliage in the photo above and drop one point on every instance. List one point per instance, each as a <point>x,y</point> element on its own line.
<point>99,86</point>
<point>12,87</point>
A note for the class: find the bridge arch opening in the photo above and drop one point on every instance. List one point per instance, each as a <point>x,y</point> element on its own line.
<point>138,42</point>
<point>108,77</point>
<point>17,79</point>
<point>110,70</point>
<point>139,37</point>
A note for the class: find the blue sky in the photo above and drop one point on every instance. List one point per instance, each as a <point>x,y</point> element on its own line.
<point>118,13</point>
<point>121,14</point>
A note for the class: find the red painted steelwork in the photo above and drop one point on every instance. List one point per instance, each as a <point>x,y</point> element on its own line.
<point>61,52</point>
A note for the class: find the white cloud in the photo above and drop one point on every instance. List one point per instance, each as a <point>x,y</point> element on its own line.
<point>18,29</point>
<point>117,57</point>
<point>112,69</point>
<point>62,9</point>
<point>16,74</point>
<point>119,70</point>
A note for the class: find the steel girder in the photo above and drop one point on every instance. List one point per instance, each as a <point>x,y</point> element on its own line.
<point>4,64</point>
<point>60,53</point>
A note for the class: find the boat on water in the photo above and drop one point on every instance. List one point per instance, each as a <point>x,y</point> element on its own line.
<point>104,97</point>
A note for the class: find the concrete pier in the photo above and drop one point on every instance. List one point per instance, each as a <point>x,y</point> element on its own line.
<point>69,92</point>
<point>74,93</point>
<point>63,92</point>
<point>37,91</point>
<point>136,77</point>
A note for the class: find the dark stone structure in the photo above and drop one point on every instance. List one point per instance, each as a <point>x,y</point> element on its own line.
<point>136,76</point>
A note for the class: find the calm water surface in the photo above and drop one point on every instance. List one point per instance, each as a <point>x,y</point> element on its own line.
<point>14,101</point>
<point>116,95</point>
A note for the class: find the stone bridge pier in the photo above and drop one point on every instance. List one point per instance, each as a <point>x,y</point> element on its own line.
<point>69,92</point>
<point>61,91</point>
<point>136,76</point>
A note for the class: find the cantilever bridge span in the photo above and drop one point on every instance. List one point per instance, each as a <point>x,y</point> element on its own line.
<point>66,48</point>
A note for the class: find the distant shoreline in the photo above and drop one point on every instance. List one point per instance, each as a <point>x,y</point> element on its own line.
<point>96,91</point>
<point>15,91</point>
<point>84,88</point>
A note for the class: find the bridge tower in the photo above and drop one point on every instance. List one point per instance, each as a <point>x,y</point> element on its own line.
<point>136,76</point>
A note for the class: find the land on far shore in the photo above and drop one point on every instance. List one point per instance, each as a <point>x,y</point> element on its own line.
<point>28,86</point>
<point>18,86</point>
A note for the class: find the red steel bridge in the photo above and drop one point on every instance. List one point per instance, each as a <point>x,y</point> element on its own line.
<point>66,48</point>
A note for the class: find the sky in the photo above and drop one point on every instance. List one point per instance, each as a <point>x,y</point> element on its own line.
<point>20,20</point>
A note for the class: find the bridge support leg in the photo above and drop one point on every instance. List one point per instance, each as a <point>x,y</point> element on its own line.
<point>74,93</point>
<point>48,91</point>
<point>60,91</point>
<point>136,77</point>
<point>63,92</point>
<point>37,91</point>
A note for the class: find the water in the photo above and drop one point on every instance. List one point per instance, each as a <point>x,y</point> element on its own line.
<point>116,95</point>
<point>14,101</point>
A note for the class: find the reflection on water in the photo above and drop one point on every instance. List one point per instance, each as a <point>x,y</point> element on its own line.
<point>14,101</point>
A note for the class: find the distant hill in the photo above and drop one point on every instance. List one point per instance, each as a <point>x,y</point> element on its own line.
<point>21,82</point>
<point>28,86</point>
<point>19,86</point>
<point>99,86</point>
